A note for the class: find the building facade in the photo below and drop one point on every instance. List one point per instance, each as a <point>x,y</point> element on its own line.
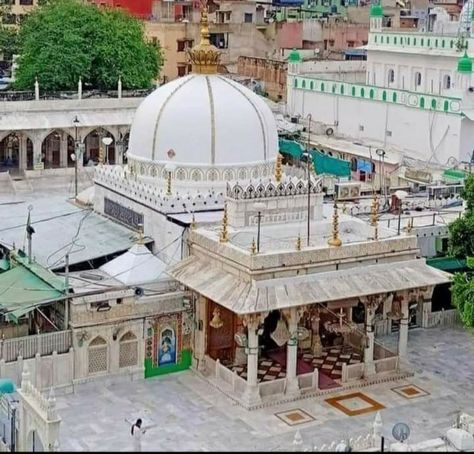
<point>420,79</point>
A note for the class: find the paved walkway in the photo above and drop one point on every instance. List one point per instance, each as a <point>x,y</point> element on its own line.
<point>191,415</point>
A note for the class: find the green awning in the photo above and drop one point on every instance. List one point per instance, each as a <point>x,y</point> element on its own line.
<point>454,175</point>
<point>324,164</point>
<point>291,147</point>
<point>25,287</point>
<point>449,264</point>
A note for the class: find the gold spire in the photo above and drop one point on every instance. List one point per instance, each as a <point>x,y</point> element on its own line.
<point>224,236</point>
<point>298,243</point>
<point>141,237</point>
<point>374,216</point>
<point>204,57</point>
<point>253,248</point>
<point>335,240</point>
<point>278,168</point>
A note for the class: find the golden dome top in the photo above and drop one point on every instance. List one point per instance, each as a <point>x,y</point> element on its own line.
<point>204,57</point>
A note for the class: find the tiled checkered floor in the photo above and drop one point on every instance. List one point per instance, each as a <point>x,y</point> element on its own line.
<point>267,370</point>
<point>330,362</point>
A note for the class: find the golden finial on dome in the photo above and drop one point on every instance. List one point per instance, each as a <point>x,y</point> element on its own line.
<point>253,247</point>
<point>224,236</point>
<point>204,57</point>
<point>278,168</point>
<point>335,240</point>
<point>298,243</point>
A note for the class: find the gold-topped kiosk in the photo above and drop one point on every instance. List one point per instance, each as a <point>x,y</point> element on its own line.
<point>204,57</point>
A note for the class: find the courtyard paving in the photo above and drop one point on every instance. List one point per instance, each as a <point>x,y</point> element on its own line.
<point>187,414</point>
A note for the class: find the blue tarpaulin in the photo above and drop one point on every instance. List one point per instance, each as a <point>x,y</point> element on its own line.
<point>364,166</point>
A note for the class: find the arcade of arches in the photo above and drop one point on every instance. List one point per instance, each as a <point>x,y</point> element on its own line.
<point>26,150</point>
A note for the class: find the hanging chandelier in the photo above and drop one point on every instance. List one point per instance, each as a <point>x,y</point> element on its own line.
<point>341,326</point>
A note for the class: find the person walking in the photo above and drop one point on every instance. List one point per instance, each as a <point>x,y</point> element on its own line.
<point>137,432</point>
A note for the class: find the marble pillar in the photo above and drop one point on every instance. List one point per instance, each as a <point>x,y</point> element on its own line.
<point>63,150</point>
<point>22,152</point>
<point>37,152</point>
<point>200,337</point>
<point>369,366</point>
<point>251,394</point>
<point>292,386</point>
<point>403,333</point>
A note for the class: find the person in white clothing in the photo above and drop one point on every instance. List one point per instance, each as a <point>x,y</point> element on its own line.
<point>137,432</point>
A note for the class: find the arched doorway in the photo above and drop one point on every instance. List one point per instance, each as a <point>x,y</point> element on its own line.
<point>10,152</point>
<point>125,140</point>
<point>51,151</point>
<point>70,151</point>
<point>94,141</point>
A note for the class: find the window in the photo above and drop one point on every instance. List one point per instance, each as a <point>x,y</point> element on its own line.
<point>447,81</point>
<point>417,79</point>
<point>97,356</point>
<point>181,70</point>
<point>331,43</point>
<point>220,40</point>
<point>26,2</point>
<point>350,43</point>
<point>222,17</point>
<point>248,18</point>
<point>128,350</point>
<point>388,133</point>
<point>422,102</point>
<point>184,44</point>
<point>391,76</point>
<point>361,127</point>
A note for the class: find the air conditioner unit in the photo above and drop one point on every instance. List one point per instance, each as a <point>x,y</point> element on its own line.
<point>347,190</point>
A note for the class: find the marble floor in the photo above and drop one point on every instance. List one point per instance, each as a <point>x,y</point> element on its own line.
<point>187,414</point>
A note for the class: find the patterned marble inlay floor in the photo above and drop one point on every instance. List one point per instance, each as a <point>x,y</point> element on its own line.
<point>331,361</point>
<point>268,370</point>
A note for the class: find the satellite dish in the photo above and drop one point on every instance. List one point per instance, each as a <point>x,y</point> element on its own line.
<point>401,432</point>
<point>139,291</point>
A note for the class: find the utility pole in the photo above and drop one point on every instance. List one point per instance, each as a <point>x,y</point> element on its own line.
<point>76,152</point>
<point>66,301</point>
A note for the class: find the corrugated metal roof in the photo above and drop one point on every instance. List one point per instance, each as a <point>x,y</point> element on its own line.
<point>57,223</point>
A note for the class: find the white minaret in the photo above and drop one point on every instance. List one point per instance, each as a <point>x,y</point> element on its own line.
<point>294,67</point>
<point>376,17</point>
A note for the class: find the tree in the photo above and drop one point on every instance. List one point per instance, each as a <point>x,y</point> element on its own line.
<point>8,35</point>
<point>63,40</point>
<point>461,231</point>
<point>461,245</point>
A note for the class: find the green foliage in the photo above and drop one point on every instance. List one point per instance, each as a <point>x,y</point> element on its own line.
<point>461,237</point>
<point>8,42</point>
<point>461,231</point>
<point>67,39</point>
<point>462,292</point>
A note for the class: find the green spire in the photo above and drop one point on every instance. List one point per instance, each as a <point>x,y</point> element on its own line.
<point>294,56</point>
<point>465,64</point>
<point>376,10</point>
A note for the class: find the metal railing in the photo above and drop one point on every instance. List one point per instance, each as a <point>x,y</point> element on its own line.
<point>65,94</point>
<point>29,346</point>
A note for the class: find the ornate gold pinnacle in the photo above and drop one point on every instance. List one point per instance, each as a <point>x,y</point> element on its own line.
<point>204,57</point>
<point>374,216</point>
<point>253,247</point>
<point>298,243</point>
<point>193,223</point>
<point>141,236</point>
<point>335,240</point>
<point>278,168</point>
<point>224,236</point>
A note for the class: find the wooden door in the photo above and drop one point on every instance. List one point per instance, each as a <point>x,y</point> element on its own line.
<point>220,341</point>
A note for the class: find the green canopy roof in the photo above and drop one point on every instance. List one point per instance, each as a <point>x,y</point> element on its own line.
<point>26,286</point>
<point>447,263</point>
<point>323,164</point>
<point>454,174</point>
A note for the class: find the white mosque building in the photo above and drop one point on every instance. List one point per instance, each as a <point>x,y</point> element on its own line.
<point>188,139</point>
<point>418,95</point>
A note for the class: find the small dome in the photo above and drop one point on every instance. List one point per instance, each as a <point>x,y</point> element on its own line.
<point>294,56</point>
<point>465,64</point>
<point>376,11</point>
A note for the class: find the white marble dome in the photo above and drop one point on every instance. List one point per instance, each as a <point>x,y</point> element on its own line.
<point>207,121</point>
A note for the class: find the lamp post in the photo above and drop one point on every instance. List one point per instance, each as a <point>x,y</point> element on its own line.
<point>259,206</point>
<point>400,195</point>
<point>381,154</point>
<point>76,154</point>
<point>107,141</point>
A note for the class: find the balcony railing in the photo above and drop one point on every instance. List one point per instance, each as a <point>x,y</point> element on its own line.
<point>90,94</point>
